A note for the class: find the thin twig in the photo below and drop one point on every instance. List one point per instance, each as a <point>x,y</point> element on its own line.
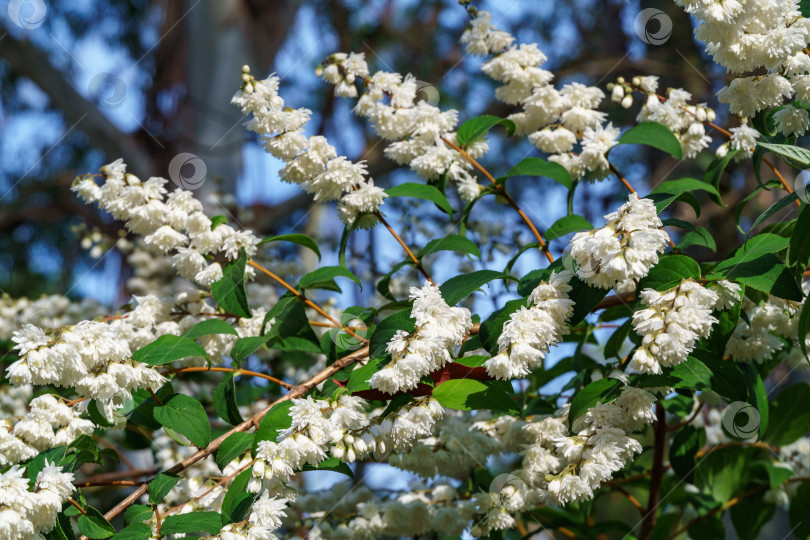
<point>235,372</point>
<point>657,474</point>
<point>502,192</point>
<point>413,258</point>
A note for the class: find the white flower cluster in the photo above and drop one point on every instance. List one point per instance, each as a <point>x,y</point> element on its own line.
<point>674,320</point>
<point>48,424</point>
<point>623,251</point>
<point>748,35</point>
<point>91,357</point>
<point>452,452</point>
<point>265,516</point>
<point>356,512</point>
<point>176,224</point>
<point>570,468</point>
<point>311,162</point>
<point>415,125</point>
<point>685,121</point>
<point>531,331</point>
<point>439,328</point>
<point>769,324</point>
<point>343,428</point>
<point>28,515</point>
<point>48,312</point>
<point>554,120</point>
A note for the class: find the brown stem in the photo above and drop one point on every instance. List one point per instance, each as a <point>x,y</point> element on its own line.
<point>78,506</point>
<point>155,396</point>
<point>157,518</point>
<point>630,498</point>
<point>413,258</point>
<point>251,422</point>
<point>687,421</point>
<point>107,483</point>
<point>234,371</point>
<point>308,302</point>
<point>714,511</point>
<point>657,474</point>
<point>502,192</point>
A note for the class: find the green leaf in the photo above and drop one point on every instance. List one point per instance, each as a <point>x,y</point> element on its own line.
<point>331,464</point>
<point>799,503</point>
<point>617,339</point>
<point>724,378</point>
<point>244,347</point>
<point>799,251</point>
<point>93,525</point>
<point>774,208</point>
<point>160,486</point>
<point>749,516</point>
<point>296,238</point>
<point>421,191</point>
<point>479,126</point>
<point>698,237</point>
<point>137,513</point>
<point>804,327</point>
<point>738,209</point>
<point>669,272</point>
<point>761,244</point>
<point>452,242</point>
<point>318,277</point>
<point>795,156</point>
<point>237,501</point>
<point>655,135</point>
<point>456,289</point>
<point>96,414</point>
<point>210,327</point>
<point>567,225</point>
<point>225,401</point>
<point>209,522</point>
<point>167,349</point>
<point>217,220</point>
<point>276,419</point>
<point>231,448</point>
<point>134,531</point>
<point>667,192</point>
<point>598,391</point>
<point>766,273</point>
<point>790,415</point>
<point>186,416</point>
<point>722,473</point>
<point>535,166</point>
<point>685,445</point>
<point>229,292</point>
<point>389,326</point>
<point>358,378</point>
<point>467,394</point>
<point>715,172</point>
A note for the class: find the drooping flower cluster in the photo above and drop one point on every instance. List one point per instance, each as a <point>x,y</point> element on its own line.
<point>311,162</point>
<point>531,331</point>
<point>176,224</point>
<point>343,428</point>
<point>355,511</point>
<point>624,250</point>
<point>768,324</point>
<point>48,312</point>
<point>555,121</point>
<point>48,424</point>
<point>439,328</point>
<point>673,322</point>
<point>747,35</point>
<point>28,514</point>
<point>390,103</point>
<point>571,467</point>
<point>90,357</point>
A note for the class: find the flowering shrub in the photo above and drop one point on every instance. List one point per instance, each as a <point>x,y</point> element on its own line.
<point>661,407</point>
